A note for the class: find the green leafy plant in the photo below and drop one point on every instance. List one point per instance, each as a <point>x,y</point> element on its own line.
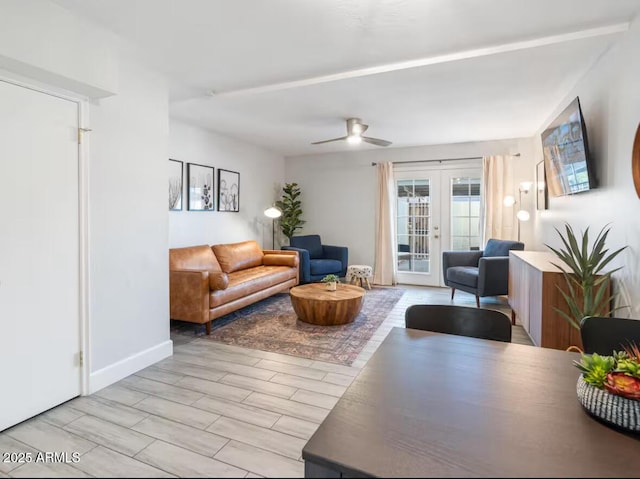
<point>330,278</point>
<point>588,286</point>
<point>290,206</point>
<point>619,374</point>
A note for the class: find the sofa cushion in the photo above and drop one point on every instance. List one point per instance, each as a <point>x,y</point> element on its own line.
<point>325,266</point>
<point>237,256</point>
<point>193,258</point>
<point>218,280</point>
<point>309,242</point>
<point>249,281</point>
<point>467,275</point>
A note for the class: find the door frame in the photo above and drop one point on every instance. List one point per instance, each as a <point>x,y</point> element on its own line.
<point>82,103</point>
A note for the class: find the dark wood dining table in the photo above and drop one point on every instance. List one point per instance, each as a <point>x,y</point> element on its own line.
<point>438,405</point>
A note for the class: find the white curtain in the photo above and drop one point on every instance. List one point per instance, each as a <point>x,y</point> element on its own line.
<point>498,219</point>
<point>385,270</point>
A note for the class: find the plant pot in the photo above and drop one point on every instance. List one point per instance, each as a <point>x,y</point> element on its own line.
<point>331,286</point>
<point>613,409</point>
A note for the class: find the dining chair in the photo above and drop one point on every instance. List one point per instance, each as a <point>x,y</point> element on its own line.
<point>460,320</point>
<point>604,335</point>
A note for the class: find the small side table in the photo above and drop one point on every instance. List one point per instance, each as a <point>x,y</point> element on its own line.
<point>359,273</point>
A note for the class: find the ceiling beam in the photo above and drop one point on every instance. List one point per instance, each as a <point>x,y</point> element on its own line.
<point>434,60</point>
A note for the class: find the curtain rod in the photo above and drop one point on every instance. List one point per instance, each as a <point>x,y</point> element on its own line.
<point>373,163</point>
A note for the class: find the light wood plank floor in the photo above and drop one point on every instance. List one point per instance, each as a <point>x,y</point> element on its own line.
<point>211,410</point>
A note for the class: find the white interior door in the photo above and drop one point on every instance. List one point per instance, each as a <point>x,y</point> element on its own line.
<point>39,252</point>
<point>438,209</point>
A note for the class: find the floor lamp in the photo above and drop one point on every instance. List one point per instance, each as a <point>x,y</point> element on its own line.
<point>273,213</point>
<point>522,214</point>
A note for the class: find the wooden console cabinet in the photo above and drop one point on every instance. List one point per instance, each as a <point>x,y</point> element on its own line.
<point>533,295</point>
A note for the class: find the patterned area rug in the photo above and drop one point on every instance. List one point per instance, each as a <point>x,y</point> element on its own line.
<point>272,325</point>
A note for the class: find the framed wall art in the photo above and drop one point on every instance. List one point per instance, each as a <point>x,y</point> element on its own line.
<point>175,185</point>
<point>541,187</point>
<point>228,190</point>
<point>200,187</point>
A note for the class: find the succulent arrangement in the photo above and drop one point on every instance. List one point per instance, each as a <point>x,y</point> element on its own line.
<point>619,374</point>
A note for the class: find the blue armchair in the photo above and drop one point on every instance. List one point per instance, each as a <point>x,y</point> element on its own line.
<point>318,260</point>
<point>483,272</point>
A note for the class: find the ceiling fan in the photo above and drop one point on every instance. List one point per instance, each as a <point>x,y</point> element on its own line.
<point>355,129</point>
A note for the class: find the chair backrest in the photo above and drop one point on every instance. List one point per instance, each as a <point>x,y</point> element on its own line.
<point>311,243</point>
<point>460,320</point>
<point>498,247</point>
<point>604,335</point>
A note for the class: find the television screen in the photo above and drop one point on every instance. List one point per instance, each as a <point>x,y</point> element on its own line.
<point>566,153</point>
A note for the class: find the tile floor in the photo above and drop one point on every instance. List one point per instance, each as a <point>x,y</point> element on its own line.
<point>210,410</point>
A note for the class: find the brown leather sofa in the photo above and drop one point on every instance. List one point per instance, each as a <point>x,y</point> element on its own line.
<point>209,282</point>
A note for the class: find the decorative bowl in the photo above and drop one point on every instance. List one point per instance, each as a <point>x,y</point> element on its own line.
<point>616,410</point>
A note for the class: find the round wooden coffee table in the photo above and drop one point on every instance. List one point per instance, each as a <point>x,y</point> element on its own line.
<point>315,305</point>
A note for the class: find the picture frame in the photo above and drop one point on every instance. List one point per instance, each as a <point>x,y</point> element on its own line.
<point>176,182</point>
<point>228,190</point>
<point>200,187</point>
<point>541,187</point>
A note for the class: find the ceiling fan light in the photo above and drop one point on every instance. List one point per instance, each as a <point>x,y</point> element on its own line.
<point>354,139</point>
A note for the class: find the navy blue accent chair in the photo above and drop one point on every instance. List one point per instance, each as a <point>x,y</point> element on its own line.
<point>318,260</point>
<point>482,272</point>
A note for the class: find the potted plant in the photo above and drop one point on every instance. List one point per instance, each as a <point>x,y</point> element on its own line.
<point>609,386</point>
<point>331,281</point>
<point>588,287</point>
<point>289,204</point>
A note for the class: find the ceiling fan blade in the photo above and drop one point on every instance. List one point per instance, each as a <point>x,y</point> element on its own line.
<point>363,128</point>
<point>376,141</point>
<point>328,141</point>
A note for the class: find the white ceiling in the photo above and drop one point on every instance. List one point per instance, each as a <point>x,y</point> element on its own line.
<point>485,70</point>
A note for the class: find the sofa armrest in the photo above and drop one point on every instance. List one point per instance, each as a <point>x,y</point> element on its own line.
<point>304,261</point>
<point>189,295</point>
<point>493,275</point>
<point>340,253</point>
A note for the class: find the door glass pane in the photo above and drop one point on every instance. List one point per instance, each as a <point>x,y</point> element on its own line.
<point>465,213</point>
<point>412,226</point>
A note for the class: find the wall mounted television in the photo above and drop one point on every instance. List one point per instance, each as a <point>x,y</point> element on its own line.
<point>566,153</point>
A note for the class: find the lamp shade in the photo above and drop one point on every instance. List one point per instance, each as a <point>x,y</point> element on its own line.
<point>273,212</point>
<point>509,200</point>
<point>525,186</point>
<point>523,215</point>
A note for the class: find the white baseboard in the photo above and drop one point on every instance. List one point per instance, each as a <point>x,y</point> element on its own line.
<point>127,366</point>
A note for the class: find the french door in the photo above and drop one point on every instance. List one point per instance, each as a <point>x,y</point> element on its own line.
<point>436,210</point>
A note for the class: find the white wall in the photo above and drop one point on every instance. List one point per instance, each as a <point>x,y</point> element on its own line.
<point>127,163</point>
<point>128,218</point>
<point>610,101</point>
<point>261,177</point>
<point>339,189</point>
<point>41,40</point>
